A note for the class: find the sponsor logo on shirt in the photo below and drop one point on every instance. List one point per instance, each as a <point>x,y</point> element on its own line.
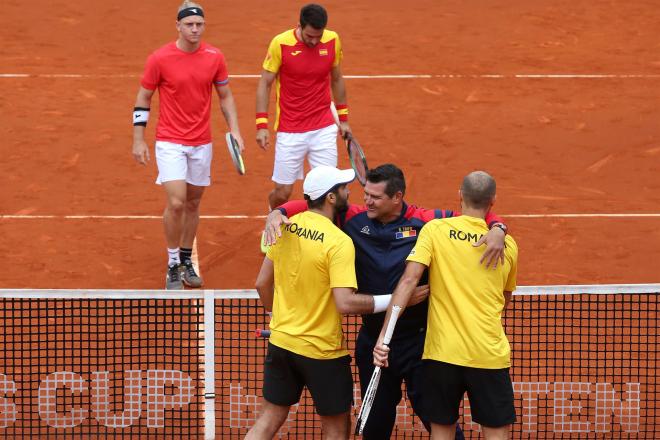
<point>365,230</point>
<point>296,52</point>
<point>464,236</point>
<point>309,234</point>
<point>405,232</point>
<point>323,52</point>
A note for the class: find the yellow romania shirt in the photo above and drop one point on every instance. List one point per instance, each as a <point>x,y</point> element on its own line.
<point>312,257</point>
<point>466,301</point>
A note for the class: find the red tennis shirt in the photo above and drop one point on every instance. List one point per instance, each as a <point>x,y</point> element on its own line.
<point>185,81</point>
<point>303,80</point>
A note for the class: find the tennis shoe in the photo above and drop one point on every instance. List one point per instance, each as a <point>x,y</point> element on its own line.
<point>173,278</point>
<point>190,277</point>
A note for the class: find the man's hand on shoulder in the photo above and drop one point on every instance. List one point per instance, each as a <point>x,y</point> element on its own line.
<point>494,253</point>
<point>273,230</point>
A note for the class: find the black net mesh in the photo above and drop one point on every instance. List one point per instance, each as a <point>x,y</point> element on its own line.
<point>584,366</point>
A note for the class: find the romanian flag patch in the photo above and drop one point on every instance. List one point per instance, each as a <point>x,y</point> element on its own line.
<point>406,234</point>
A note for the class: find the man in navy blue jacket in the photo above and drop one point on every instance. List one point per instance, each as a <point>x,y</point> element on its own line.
<point>384,231</point>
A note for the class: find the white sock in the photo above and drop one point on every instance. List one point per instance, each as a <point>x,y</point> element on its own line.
<point>173,256</point>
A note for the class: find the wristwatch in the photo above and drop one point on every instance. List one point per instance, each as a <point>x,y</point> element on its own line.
<point>502,226</point>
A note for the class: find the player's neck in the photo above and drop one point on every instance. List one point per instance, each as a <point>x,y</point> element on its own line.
<point>392,216</point>
<point>326,211</point>
<point>186,46</point>
<point>473,212</point>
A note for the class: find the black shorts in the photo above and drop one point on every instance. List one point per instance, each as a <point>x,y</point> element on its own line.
<point>329,381</point>
<point>490,393</point>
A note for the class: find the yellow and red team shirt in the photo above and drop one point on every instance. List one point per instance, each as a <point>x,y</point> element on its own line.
<point>303,80</point>
<point>185,81</point>
<point>466,302</point>
<point>312,257</point>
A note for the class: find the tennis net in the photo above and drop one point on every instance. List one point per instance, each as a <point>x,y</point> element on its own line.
<point>154,364</point>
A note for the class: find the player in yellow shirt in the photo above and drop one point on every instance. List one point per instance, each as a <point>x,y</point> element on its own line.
<point>466,349</point>
<point>308,280</point>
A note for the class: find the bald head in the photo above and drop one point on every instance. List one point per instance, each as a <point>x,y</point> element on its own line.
<point>478,190</point>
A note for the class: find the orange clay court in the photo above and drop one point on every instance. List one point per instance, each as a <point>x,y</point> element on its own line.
<point>558,100</point>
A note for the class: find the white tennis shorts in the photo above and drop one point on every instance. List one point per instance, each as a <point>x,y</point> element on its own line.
<point>319,146</point>
<point>184,162</point>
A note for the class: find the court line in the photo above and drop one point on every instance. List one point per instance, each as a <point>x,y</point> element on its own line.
<point>384,76</point>
<point>255,217</point>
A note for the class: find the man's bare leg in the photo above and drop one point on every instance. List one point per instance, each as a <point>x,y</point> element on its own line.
<point>270,420</point>
<point>280,194</point>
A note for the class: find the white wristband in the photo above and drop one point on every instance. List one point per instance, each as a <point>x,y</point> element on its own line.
<point>381,302</point>
<point>140,117</point>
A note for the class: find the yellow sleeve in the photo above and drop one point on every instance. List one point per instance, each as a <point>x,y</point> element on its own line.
<point>273,59</point>
<point>510,285</point>
<point>339,54</point>
<point>272,251</point>
<point>423,250</point>
<point>341,267</point>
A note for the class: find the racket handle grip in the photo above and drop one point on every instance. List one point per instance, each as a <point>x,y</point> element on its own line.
<point>390,325</point>
<point>261,333</point>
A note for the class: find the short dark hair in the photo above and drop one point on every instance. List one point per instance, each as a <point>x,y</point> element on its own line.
<point>318,203</point>
<point>314,15</point>
<point>392,175</point>
<point>478,189</point>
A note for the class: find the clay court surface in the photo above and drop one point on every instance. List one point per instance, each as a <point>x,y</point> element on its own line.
<point>557,99</point>
<point>556,145</point>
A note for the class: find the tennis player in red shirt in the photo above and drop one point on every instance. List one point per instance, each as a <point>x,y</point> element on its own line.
<point>305,65</point>
<point>184,72</point>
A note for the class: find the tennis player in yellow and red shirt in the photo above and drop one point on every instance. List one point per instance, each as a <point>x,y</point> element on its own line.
<point>304,63</point>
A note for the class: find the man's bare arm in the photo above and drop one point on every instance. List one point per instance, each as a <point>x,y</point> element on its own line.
<point>228,107</point>
<point>350,302</point>
<point>263,97</point>
<point>265,284</point>
<point>338,87</point>
<point>140,148</point>
<point>400,297</point>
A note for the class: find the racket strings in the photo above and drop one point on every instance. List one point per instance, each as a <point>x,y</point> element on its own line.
<point>358,160</point>
<point>368,401</point>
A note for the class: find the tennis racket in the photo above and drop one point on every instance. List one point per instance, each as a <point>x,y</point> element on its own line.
<point>357,158</point>
<point>370,394</point>
<point>355,152</point>
<point>235,153</point>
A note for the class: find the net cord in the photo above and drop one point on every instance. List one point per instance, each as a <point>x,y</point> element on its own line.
<point>571,289</point>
